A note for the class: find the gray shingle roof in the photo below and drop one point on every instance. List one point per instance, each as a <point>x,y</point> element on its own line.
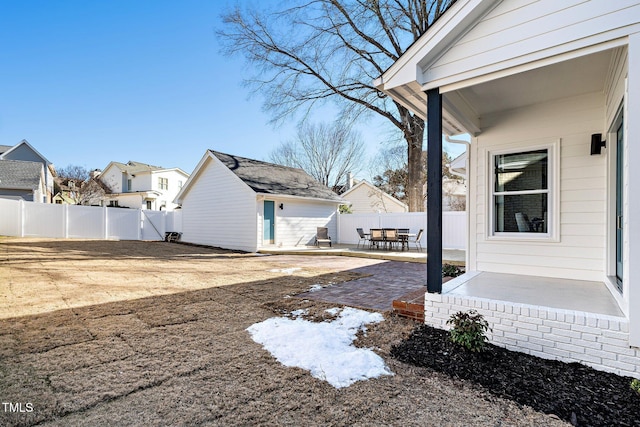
<point>18,174</point>
<point>269,178</point>
<point>132,167</point>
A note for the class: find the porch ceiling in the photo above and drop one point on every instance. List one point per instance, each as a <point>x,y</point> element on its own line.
<point>582,75</point>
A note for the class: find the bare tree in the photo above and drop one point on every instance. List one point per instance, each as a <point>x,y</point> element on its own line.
<point>327,152</point>
<point>316,50</point>
<point>78,185</point>
<point>390,171</point>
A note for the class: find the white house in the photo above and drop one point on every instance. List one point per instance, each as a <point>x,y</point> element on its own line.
<point>365,197</point>
<point>24,151</point>
<point>238,203</point>
<point>141,186</point>
<point>554,211</point>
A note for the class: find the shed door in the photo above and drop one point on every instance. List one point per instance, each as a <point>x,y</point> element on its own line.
<point>269,221</point>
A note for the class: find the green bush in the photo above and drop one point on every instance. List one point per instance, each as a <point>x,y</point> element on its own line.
<point>635,385</point>
<point>468,330</point>
<point>449,270</point>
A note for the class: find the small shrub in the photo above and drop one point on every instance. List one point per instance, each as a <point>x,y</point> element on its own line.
<point>635,385</point>
<point>450,270</point>
<point>468,330</point>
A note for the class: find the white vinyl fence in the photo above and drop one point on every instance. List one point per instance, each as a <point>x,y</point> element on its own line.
<point>28,219</point>
<point>454,226</point>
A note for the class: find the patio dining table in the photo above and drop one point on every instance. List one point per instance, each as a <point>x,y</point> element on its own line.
<point>378,235</point>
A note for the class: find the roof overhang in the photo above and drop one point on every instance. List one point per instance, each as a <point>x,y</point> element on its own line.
<point>301,198</point>
<point>553,69</point>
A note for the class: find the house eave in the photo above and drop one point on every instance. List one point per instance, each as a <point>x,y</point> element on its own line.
<point>288,196</point>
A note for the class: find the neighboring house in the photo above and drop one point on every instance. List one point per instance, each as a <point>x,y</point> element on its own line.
<point>365,197</point>
<point>454,194</point>
<point>22,180</point>
<point>238,203</point>
<point>25,152</point>
<point>554,213</point>
<point>142,186</point>
<point>91,192</point>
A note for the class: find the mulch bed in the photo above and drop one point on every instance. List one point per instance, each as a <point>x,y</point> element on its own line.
<point>571,391</point>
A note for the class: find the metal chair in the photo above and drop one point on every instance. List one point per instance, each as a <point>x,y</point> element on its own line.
<point>363,237</point>
<point>322,236</point>
<point>391,237</point>
<point>416,241</point>
<point>376,237</point>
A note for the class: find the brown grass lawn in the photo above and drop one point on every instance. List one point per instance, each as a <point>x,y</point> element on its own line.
<point>141,334</point>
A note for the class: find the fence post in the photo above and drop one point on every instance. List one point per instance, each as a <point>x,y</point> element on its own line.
<point>105,218</point>
<point>65,221</point>
<point>22,213</point>
<point>140,224</point>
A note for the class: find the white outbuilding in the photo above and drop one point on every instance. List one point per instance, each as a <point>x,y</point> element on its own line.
<point>238,203</point>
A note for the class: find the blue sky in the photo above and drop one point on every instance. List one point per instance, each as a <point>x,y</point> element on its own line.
<point>89,82</point>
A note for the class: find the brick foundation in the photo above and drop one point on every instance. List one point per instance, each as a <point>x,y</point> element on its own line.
<point>595,340</point>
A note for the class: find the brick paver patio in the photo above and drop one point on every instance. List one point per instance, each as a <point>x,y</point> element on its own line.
<point>387,281</point>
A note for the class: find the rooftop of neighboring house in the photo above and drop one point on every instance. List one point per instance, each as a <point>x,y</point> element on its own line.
<point>19,174</point>
<point>133,168</point>
<point>270,178</point>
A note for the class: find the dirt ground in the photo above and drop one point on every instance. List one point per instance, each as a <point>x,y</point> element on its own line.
<point>145,334</point>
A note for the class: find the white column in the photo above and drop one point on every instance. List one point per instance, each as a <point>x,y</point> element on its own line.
<point>632,193</point>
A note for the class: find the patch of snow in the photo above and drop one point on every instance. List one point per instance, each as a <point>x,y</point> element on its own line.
<point>333,311</point>
<point>298,313</point>
<point>315,288</point>
<point>324,349</point>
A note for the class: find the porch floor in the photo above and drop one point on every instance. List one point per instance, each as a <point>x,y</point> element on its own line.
<point>580,295</point>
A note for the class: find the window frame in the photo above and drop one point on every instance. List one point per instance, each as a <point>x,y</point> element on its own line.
<point>163,183</point>
<point>553,191</point>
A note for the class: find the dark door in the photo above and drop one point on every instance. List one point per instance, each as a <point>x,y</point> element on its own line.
<point>619,203</point>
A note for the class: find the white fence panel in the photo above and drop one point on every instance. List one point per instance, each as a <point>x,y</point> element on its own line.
<point>44,220</point>
<point>85,222</point>
<point>454,230</point>
<point>454,226</point>
<point>123,224</point>
<point>153,225</point>
<point>174,221</point>
<point>10,217</point>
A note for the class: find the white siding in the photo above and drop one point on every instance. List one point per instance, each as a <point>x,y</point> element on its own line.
<point>219,210</point>
<point>579,253</point>
<point>296,224</point>
<point>167,196</point>
<point>368,199</point>
<point>112,178</point>
<point>518,32</point>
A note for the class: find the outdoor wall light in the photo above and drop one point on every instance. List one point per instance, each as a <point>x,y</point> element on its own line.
<point>597,143</point>
<point>281,206</point>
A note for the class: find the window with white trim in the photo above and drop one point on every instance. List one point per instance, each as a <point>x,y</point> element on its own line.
<point>163,183</point>
<point>521,193</point>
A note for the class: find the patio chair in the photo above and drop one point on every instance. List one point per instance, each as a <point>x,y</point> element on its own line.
<point>364,237</point>
<point>376,237</point>
<point>322,236</point>
<point>416,240</point>
<point>391,237</point>
<point>524,225</point>
<point>403,236</point>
